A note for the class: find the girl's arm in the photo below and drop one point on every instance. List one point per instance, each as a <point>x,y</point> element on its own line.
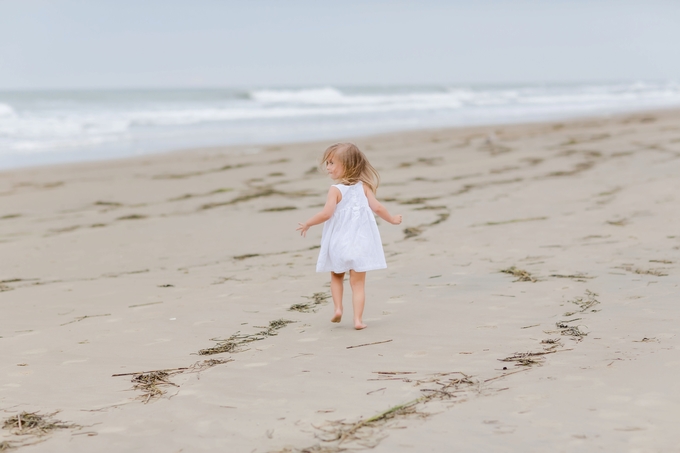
<point>379,209</point>
<point>334,197</point>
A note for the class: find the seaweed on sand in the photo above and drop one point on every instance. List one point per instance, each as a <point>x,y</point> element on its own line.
<point>312,306</point>
<point>34,424</point>
<point>584,303</point>
<point>150,384</point>
<point>656,272</point>
<point>522,275</point>
<point>236,341</point>
<point>412,232</point>
<point>526,358</point>
<point>365,432</point>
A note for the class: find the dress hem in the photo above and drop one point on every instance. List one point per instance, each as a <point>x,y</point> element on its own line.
<point>350,269</point>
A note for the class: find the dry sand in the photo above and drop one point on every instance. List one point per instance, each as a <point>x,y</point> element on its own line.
<point>136,265</point>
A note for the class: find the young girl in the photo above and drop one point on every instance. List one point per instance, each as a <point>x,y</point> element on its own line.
<point>350,240</point>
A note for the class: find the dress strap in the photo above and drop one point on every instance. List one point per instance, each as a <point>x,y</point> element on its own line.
<point>342,188</point>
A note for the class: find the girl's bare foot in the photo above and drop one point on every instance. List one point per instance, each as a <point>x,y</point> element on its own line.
<point>359,325</point>
<point>337,317</point>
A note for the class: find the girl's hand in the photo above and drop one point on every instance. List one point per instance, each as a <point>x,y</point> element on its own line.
<point>396,220</point>
<point>302,229</point>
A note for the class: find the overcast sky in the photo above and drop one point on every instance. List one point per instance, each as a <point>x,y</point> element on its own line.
<point>212,43</point>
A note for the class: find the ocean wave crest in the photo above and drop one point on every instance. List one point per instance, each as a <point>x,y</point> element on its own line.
<point>326,95</point>
<point>64,120</point>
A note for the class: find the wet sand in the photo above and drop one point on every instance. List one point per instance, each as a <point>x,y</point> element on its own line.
<point>137,265</point>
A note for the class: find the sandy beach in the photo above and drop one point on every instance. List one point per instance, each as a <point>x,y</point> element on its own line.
<point>529,302</point>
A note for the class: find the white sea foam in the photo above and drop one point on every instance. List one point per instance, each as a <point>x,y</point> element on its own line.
<point>54,122</point>
<point>6,110</point>
<point>314,96</point>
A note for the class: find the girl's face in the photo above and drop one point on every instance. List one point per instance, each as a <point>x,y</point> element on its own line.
<point>334,168</point>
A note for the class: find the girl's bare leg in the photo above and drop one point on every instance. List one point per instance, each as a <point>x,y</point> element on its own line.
<point>357,281</point>
<point>337,282</point>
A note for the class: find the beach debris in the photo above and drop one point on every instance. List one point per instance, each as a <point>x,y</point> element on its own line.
<point>417,200</point>
<point>647,340</point>
<point>247,255</point>
<point>34,424</point>
<point>199,173</point>
<point>393,376</point>
<point>187,196</point>
<point>412,232</point>
<point>107,203</point>
<point>258,192</point>
<point>418,230</point>
<point>235,342</point>
<point>115,275</point>
<point>394,372</point>
<point>144,305</point>
<point>150,384</point>
<point>132,217</point>
<point>621,222</point>
<point>577,277</point>
<point>565,329</point>
<point>315,300</point>
<point>574,332</point>
<point>530,358</point>
<point>167,285</point>
<point>522,275</point>
<point>376,390</point>
<point>564,324</point>
<point>82,318</point>
<point>505,222</point>
<point>366,432</point>
<point>165,370</point>
<point>525,358</point>
<point>279,208</point>
<point>659,272</point>
<point>662,261</point>
<point>578,168</point>
<point>584,303</point>
<point>440,218</point>
<point>368,344</point>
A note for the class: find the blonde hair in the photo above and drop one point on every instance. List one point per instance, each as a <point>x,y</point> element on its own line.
<point>354,163</point>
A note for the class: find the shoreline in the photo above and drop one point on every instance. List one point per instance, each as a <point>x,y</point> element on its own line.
<point>247,147</point>
<point>547,249</point>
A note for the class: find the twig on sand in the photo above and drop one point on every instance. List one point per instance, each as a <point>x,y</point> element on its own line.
<point>505,222</point>
<point>234,342</point>
<point>376,390</point>
<point>152,371</point>
<point>530,358</point>
<point>368,344</point>
<point>394,372</point>
<point>81,318</point>
<point>504,375</point>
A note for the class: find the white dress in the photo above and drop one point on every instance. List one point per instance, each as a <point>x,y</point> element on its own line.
<point>350,238</point>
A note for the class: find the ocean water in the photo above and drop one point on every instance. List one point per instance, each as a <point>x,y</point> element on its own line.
<point>41,127</point>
